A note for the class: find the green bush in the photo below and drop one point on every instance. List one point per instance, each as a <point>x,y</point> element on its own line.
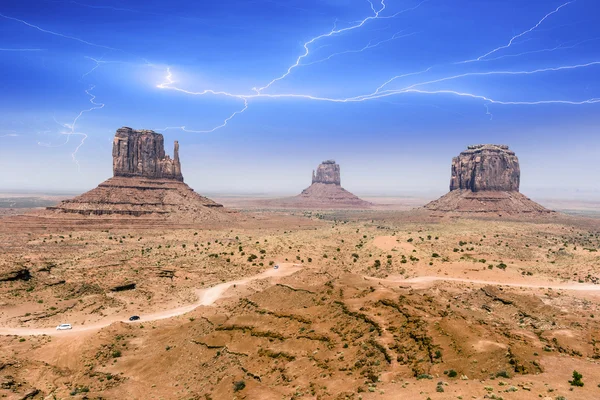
<point>239,385</point>
<point>576,379</point>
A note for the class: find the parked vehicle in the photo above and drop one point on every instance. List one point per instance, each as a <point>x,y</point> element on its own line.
<point>276,266</point>
<point>64,327</point>
<point>134,318</point>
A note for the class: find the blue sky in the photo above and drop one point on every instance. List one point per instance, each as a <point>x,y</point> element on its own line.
<point>522,73</point>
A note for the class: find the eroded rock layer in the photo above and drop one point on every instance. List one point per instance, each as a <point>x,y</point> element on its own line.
<point>498,202</point>
<point>327,172</point>
<point>142,153</point>
<point>486,179</point>
<point>146,184</point>
<point>486,167</point>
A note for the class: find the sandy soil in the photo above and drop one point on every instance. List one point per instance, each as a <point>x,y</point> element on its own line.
<point>385,305</point>
<point>206,297</point>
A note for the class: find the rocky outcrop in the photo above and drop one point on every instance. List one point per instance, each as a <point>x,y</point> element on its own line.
<point>485,180</point>
<point>328,172</point>
<point>147,184</point>
<point>325,192</point>
<point>123,287</point>
<point>17,274</point>
<point>486,167</point>
<point>142,154</point>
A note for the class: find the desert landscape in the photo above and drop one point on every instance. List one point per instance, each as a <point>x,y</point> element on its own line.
<point>299,200</point>
<point>493,299</point>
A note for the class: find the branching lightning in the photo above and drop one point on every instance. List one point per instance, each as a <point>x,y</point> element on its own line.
<point>56,33</point>
<point>559,47</point>
<point>420,82</point>
<point>414,88</point>
<point>487,111</point>
<point>370,45</point>
<point>512,40</point>
<point>71,128</point>
<point>331,33</point>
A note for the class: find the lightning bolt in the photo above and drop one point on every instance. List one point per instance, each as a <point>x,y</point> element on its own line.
<point>512,40</point>
<point>383,91</point>
<point>559,47</point>
<point>414,88</point>
<point>168,84</point>
<point>56,33</point>
<point>224,124</point>
<point>370,45</point>
<point>487,111</point>
<point>331,33</point>
<point>72,127</point>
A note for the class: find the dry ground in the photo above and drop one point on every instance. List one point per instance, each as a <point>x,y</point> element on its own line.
<point>352,323</point>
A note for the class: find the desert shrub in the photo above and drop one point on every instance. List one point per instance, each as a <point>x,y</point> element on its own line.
<point>576,379</point>
<point>239,385</point>
<point>77,390</point>
<point>502,374</point>
<point>452,374</point>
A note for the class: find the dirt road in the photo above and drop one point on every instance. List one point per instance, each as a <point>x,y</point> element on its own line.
<point>209,296</point>
<point>430,279</point>
<point>206,297</point>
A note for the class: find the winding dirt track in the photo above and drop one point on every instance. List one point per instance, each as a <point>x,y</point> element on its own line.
<point>569,286</point>
<point>207,297</point>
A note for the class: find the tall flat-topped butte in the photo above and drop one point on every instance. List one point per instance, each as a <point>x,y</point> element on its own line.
<point>142,154</point>
<point>325,192</point>
<point>146,183</point>
<point>486,179</point>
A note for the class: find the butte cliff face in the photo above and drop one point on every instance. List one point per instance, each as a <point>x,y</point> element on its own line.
<point>142,153</point>
<point>327,172</point>
<point>146,184</point>
<point>325,192</point>
<point>486,179</point>
<point>486,167</point>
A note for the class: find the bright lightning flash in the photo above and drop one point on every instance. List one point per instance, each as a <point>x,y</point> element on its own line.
<point>414,88</point>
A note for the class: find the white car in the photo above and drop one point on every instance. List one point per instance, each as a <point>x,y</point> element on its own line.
<point>276,266</point>
<point>64,327</point>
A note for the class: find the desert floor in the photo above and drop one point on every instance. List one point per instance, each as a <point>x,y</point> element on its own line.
<point>365,304</point>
